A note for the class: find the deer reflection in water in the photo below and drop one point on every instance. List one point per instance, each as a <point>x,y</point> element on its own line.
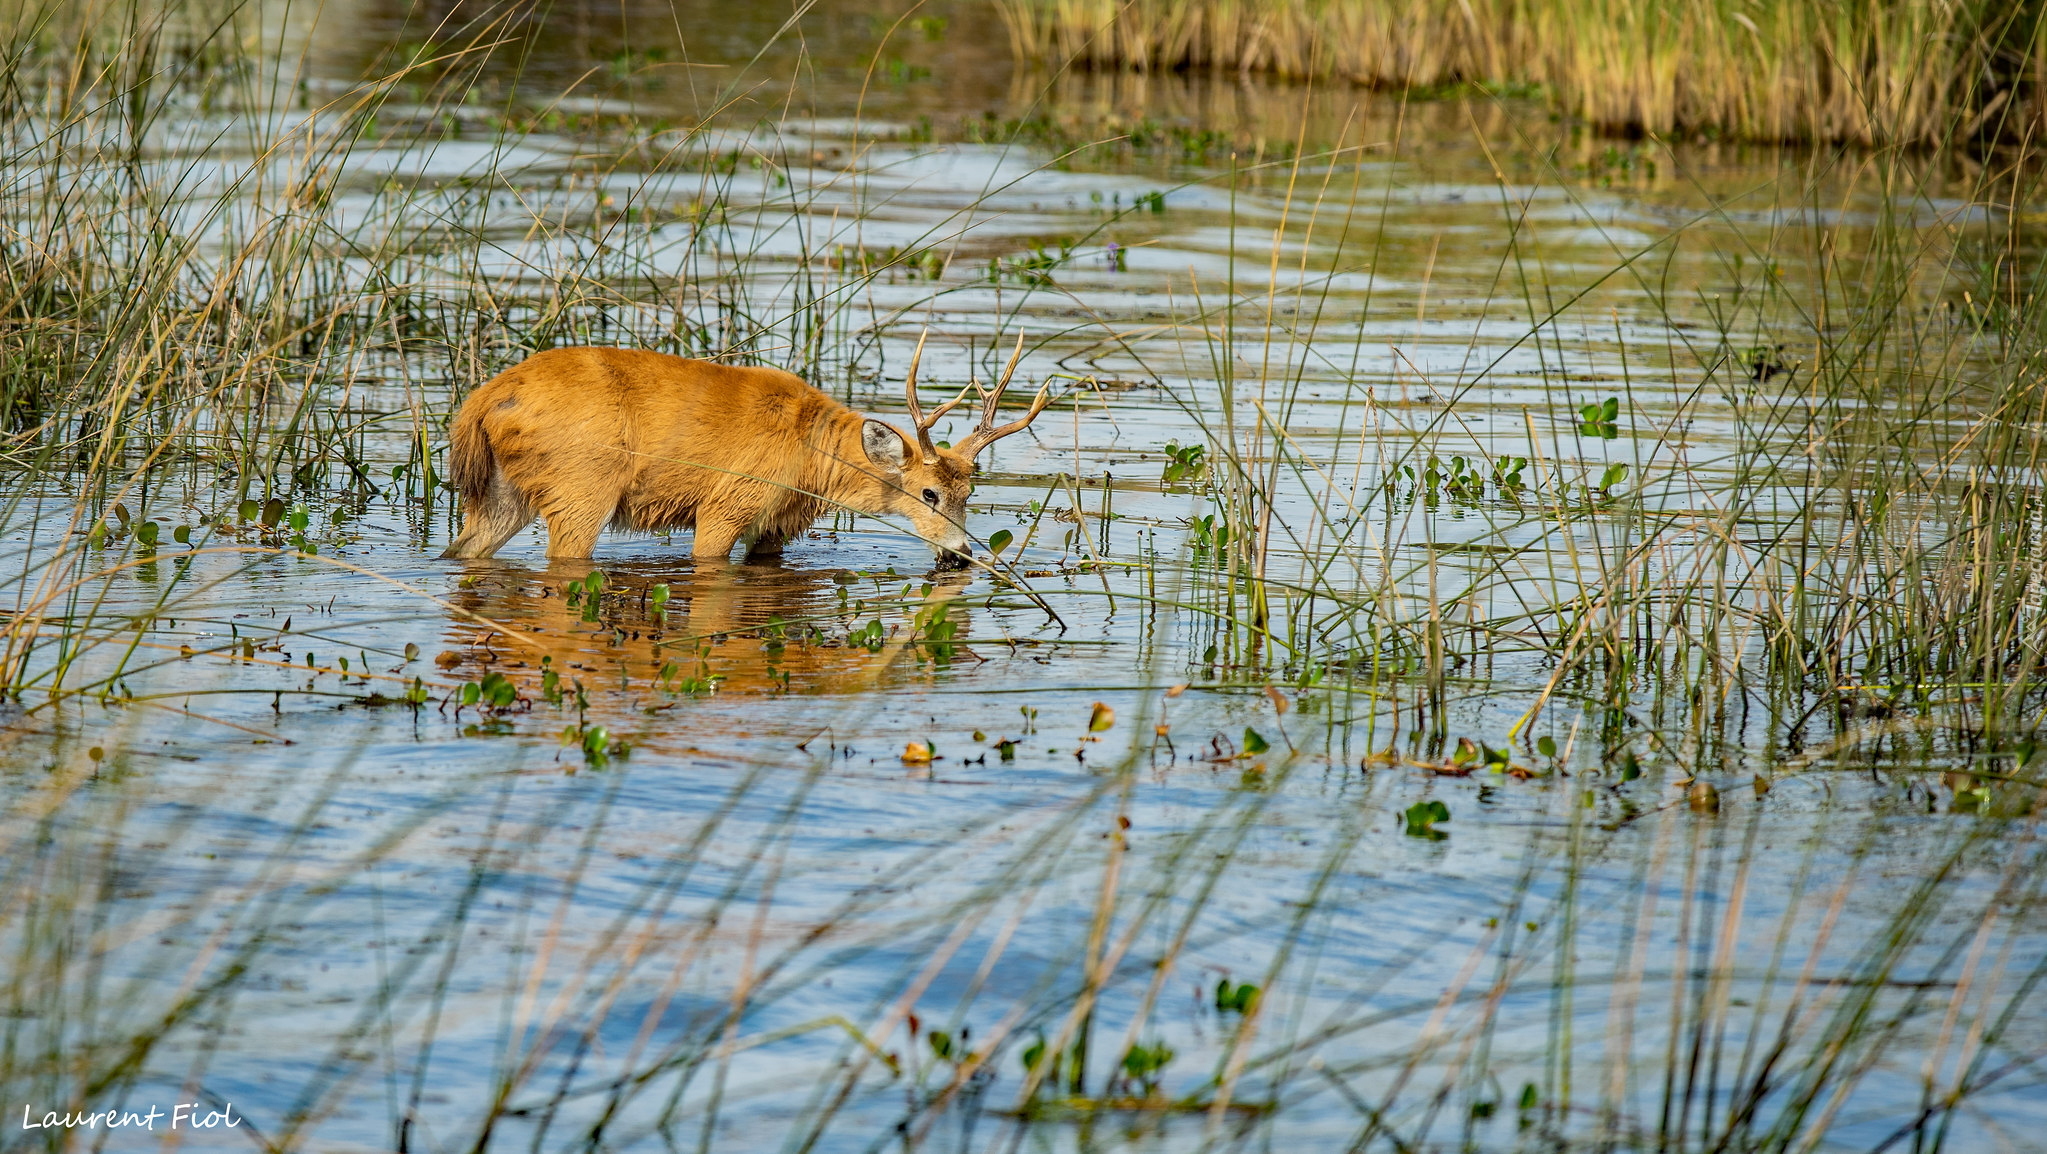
<point>722,629</point>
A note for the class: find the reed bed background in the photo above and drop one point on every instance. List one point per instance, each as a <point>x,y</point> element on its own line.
<point>1760,707</point>
<point>1909,71</point>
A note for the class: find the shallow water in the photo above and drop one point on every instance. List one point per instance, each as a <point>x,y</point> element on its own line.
<point>398,912</point>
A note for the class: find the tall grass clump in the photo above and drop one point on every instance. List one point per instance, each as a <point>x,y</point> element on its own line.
<point>1888,71</point>
<point>1853,547</point>
<point>1859,543</point>
<point>1799,544</point>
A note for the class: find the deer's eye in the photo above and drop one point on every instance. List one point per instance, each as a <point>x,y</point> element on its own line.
<point>931,497</point>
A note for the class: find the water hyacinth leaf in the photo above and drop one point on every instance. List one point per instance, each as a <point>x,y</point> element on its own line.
<point>999,540</point>
<point>248,510</point>
<point>1423,817</point>
<point>1254,742</point>
<point>1184,461</point>
<point>1144,1062</point>
<point>273,512</point>
<point>870,637</point>
<point>1598,420</point>
<point>1546,746</point>
<point>182,534</point>
<point>145,533</point>
<point>1237,998</point>
<point>498,691</point>
<point>1101,718</point>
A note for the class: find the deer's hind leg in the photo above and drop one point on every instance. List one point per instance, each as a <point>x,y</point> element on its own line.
<point>574,521</point>
<point>577,493</point>
<point>572,532</point>
<point>489,523</point>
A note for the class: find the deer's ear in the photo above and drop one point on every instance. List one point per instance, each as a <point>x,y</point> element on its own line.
<point>884,445</point>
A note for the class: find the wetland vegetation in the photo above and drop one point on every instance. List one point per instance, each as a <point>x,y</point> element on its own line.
<point>1507,638</point>
<point>1890,71</point>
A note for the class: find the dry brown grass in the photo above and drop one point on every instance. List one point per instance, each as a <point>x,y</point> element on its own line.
<point>1870,71</point>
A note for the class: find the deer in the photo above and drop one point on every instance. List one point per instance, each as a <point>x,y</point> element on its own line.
<point>589,438</point>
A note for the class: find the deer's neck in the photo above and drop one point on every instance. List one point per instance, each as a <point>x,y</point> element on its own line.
<point>839,470</point>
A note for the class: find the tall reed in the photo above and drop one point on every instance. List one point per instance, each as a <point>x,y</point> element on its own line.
<point>1887,71</point>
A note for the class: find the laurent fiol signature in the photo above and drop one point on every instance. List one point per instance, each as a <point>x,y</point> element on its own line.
<point>182,1116</point>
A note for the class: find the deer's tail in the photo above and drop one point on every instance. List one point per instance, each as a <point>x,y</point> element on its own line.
<point>493,510</point>
<point>470,463</point>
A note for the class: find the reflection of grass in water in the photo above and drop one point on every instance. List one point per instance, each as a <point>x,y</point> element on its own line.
<point>1681,616</point>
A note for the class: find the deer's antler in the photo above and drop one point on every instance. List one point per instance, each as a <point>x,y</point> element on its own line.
<point>987,432</point>
<point>924,423</point>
